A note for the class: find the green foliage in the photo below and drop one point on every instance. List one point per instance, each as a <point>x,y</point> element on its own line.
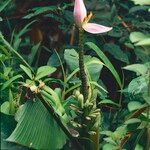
<point>39,56</point>
<point>106,61</point>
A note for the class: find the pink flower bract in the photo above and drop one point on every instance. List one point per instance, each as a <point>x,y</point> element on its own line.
<point>95,28</point>
<point>79,12</point>
<point>80,16</point>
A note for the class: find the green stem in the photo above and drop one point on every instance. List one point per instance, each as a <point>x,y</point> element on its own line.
<point>81,65</point>
<point>14,51</point>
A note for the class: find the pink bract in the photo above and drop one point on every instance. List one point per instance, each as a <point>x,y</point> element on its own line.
<point>95,28</point>
<point>79,12</point>
<point>80,15</point>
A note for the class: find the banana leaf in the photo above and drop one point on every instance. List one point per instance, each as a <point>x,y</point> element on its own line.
<point>36,128</point>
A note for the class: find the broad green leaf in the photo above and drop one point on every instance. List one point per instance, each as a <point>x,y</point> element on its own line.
<point>27,71</point>
<point>115,51</point>
<point>36,128</point>
<point>105,60</point>
<point>134,105</point>
<point>141,2</point>
<point>108,101</point>
<point>44,71</point>
<point>7,83</point>
<point>140,69</point>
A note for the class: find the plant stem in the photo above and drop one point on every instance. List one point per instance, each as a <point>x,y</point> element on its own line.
<point>81,65</point>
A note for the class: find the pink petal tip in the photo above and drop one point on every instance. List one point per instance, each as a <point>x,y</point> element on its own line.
<point>95,28</point>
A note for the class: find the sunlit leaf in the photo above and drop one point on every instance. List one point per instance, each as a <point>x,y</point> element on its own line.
<point>44,71</point>
<point>141,2</point>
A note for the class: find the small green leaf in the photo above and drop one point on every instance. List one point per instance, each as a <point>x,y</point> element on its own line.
<point>134,105</point>
<point>146,98</point>
<point>44,71</point>
<point>138,147</point>
<point>108,101</point>
<point>137,36</point>
<point>27,71</point>
<point>145,42</point>
<point>140,69</point>
<point>5,108</point>
<point>132,121</point>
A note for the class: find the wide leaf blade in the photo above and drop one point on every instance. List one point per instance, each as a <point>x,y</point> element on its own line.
<point>36,128</point>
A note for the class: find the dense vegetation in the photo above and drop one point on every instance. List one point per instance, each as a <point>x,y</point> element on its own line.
<point>52,97</point>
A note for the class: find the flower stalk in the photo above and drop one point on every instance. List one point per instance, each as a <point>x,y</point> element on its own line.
<point>84,87</point>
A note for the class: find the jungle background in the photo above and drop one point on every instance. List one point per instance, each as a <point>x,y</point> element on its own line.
<point>39,30</point>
